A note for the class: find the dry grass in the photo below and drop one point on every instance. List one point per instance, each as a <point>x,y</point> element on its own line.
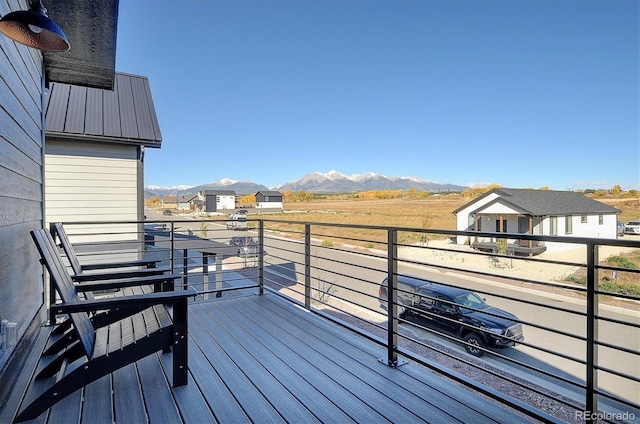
<point>431,213</point>
<point>434,212</point>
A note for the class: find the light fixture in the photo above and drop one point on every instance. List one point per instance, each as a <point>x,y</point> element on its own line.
<point>33,28</point>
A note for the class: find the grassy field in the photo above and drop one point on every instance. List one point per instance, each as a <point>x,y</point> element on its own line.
<point>430,212</point>
<point>434,212</point>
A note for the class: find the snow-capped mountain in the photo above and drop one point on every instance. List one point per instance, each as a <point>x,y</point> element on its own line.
<point>239,187</point>
<point>334,181</point>
<point>315,182</point>
<point>170,189</point>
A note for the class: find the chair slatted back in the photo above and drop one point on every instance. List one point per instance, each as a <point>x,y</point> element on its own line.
<point>65,287</point>
<point>60,232</point>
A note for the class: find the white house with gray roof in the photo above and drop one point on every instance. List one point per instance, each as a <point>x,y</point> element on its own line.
<point>537,212</point>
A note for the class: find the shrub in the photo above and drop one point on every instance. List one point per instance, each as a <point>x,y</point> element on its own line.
<point>621,262</point>
<point>502,246</point>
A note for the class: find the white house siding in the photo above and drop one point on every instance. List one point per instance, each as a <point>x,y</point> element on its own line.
<point>21,141</point>
<point>592,228</point>
<point>226,202</point>
<point>269,205</point>
<point>92,182</point>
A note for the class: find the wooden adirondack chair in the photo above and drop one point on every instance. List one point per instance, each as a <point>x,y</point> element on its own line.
<point>110,270</point>
<point>142,324</point>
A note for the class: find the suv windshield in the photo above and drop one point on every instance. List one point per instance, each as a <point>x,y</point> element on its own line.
<point>471,300</point>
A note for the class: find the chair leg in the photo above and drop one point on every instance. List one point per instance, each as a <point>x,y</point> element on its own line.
<point>180,344</point>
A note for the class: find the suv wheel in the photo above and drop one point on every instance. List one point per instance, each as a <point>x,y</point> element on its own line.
<point>474,344</point>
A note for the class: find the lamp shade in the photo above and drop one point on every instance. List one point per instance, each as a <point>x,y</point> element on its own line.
<point>33,28</point>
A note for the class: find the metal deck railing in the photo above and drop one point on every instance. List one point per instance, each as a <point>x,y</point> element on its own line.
<point>581,350</point>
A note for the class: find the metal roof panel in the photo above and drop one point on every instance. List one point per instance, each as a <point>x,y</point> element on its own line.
<point>125,115</point>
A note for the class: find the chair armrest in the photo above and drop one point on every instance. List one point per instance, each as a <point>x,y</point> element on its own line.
<point>136,301</point>
<point>92,276</point>
<point>149,263</point>
<point>90,286</point>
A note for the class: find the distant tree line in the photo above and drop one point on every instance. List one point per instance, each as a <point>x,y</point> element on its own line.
<point>289,196</point>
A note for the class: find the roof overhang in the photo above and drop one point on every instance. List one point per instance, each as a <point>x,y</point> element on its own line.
<point>91,27</point>
<point>486,209</point>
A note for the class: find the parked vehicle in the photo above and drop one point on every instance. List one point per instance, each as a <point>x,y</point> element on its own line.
<point>632,227</point>
<point>456,311</point>
<point>237,221</point>
<point>166,212</point>
<point>620,229</point>
<point>246,245</point>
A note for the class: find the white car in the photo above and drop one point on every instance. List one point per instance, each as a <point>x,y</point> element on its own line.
<point>632,227</point>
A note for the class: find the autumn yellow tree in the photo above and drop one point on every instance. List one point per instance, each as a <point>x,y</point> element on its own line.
<point>287,196</point>
<point>248,200</point>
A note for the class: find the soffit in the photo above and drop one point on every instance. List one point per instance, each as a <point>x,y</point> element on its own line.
<point>91,27</point>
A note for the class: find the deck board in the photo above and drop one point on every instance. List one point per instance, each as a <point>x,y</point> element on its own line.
<point>128,401</point>
<point>156,391</point>
<point>381,393</point>
<point>266,352</point>
<point>464,405</point>
<point>422,397</point>
<point>263,359</point>
<point>248,396</point>
<point>98,405</point>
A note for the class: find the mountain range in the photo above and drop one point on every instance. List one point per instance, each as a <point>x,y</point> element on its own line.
<point>315,182</point>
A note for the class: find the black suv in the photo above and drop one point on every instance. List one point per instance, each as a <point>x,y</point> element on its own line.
<point>456,311</point>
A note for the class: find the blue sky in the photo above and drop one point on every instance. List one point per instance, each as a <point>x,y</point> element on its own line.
<point>522,93</point>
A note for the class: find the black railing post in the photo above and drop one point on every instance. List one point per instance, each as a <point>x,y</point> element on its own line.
<point>392,296</point>
<point>261,257</point>
<point>591,401</point>
<point>307,266</point>
<point>171,246</point>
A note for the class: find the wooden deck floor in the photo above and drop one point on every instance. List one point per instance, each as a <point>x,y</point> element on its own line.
<point>262,359</point>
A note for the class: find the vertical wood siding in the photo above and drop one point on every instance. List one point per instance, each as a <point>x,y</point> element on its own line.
<point>21,281</point>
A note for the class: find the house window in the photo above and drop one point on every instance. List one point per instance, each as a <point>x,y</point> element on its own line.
<point>504,226</point>
<point>583,219</point>
<point>600,219</point>
<point>266,198</point>
<point>553,222</point>
<point>568,224</point>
